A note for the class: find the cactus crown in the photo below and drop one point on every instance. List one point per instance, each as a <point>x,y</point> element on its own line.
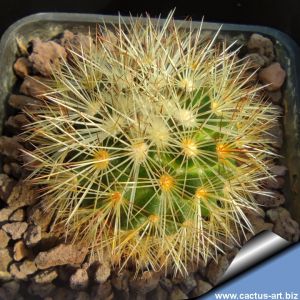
<point>150,144</point>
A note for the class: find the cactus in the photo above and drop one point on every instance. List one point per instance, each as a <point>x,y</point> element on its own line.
<point>150,144</point>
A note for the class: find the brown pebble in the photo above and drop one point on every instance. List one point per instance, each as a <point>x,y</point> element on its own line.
<point>20,251</point>
<point>21,102</point>
<point>34,86</point>
<point>17,122</point>
<point>274,199</point>
<point>284,225</point>
<point>215,270</point>
<point>273,75</point>
<point>275,183</point>
<point>102,272</point>
<point>11,147</point>
<point>46,57</point>
<point>23,269</point>
<point>6,185</point>
<point>5,213</point>
<point>18,215</point>
<point>202,288</point>
<point>22,67</point>
<point>276,97</point>
<point>43,290</point>
<point>5,259</point>
<point>263,46</point>
<point>33,235</point>
<point>145,283</point>
<point>15,230</point>
<point>21,195</point>
<point>178,294</point>
<point>61,255</point>
<point>4,239</point>
<point>46,276</point>
<point>79,280</point>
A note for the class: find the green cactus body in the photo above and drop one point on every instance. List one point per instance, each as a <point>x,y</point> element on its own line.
<point>151,144</point>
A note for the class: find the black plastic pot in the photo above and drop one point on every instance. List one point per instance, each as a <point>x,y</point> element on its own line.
<point>47,25</point>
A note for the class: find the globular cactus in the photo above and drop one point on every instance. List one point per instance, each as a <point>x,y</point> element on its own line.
<point>150,144</point>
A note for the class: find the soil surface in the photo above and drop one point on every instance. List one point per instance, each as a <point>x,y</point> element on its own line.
<point>37,264</point>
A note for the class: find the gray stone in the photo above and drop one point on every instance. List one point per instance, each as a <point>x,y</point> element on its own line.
<point>102,291</point>
<point>166,283</point>
<point>11,288</point>
<point>41,290</point>
<point>120,281</point>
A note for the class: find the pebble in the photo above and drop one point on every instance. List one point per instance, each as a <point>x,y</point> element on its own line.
<point>4,239</point>
<point>273,200</point>
<point>61,255</point>
<point>158,294</point>
<point>33,235</point>
<point>79,280</point>
<point>102,272</point>
<point>46,56</point>
<point>15,230</point>
<point>5,260</point>
<point>82,296</point>
<point>10,147</point>
<point>12,169</point>
<point>23,269</point>
<point>21,102</point>
<point>166,283</point>
<point>284,225</point>
<point>17,122</point>
<point>11,288</point>
<point>257,61</point>
<point>276,97</point>
<point>20,251</point>
<point>38,216</point>
<point>215,270</point>
<point>145,283</point>
<point>46,276</point>
<point>17,216</point>
<point>178,294</point>
<point>278,170</point>
<point>275,183</point>
<point>202,288</point>
<point>41,290</point>
<point>263,46</point>
<point>22,195</point>
<point>273,75</point>
<point>22,67</point>
<point>120,281</point>
<point>34,86</point>
<point>6,183</point>
<point>102,291</point>
<point>5,213</point>
<point>188,284</point>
